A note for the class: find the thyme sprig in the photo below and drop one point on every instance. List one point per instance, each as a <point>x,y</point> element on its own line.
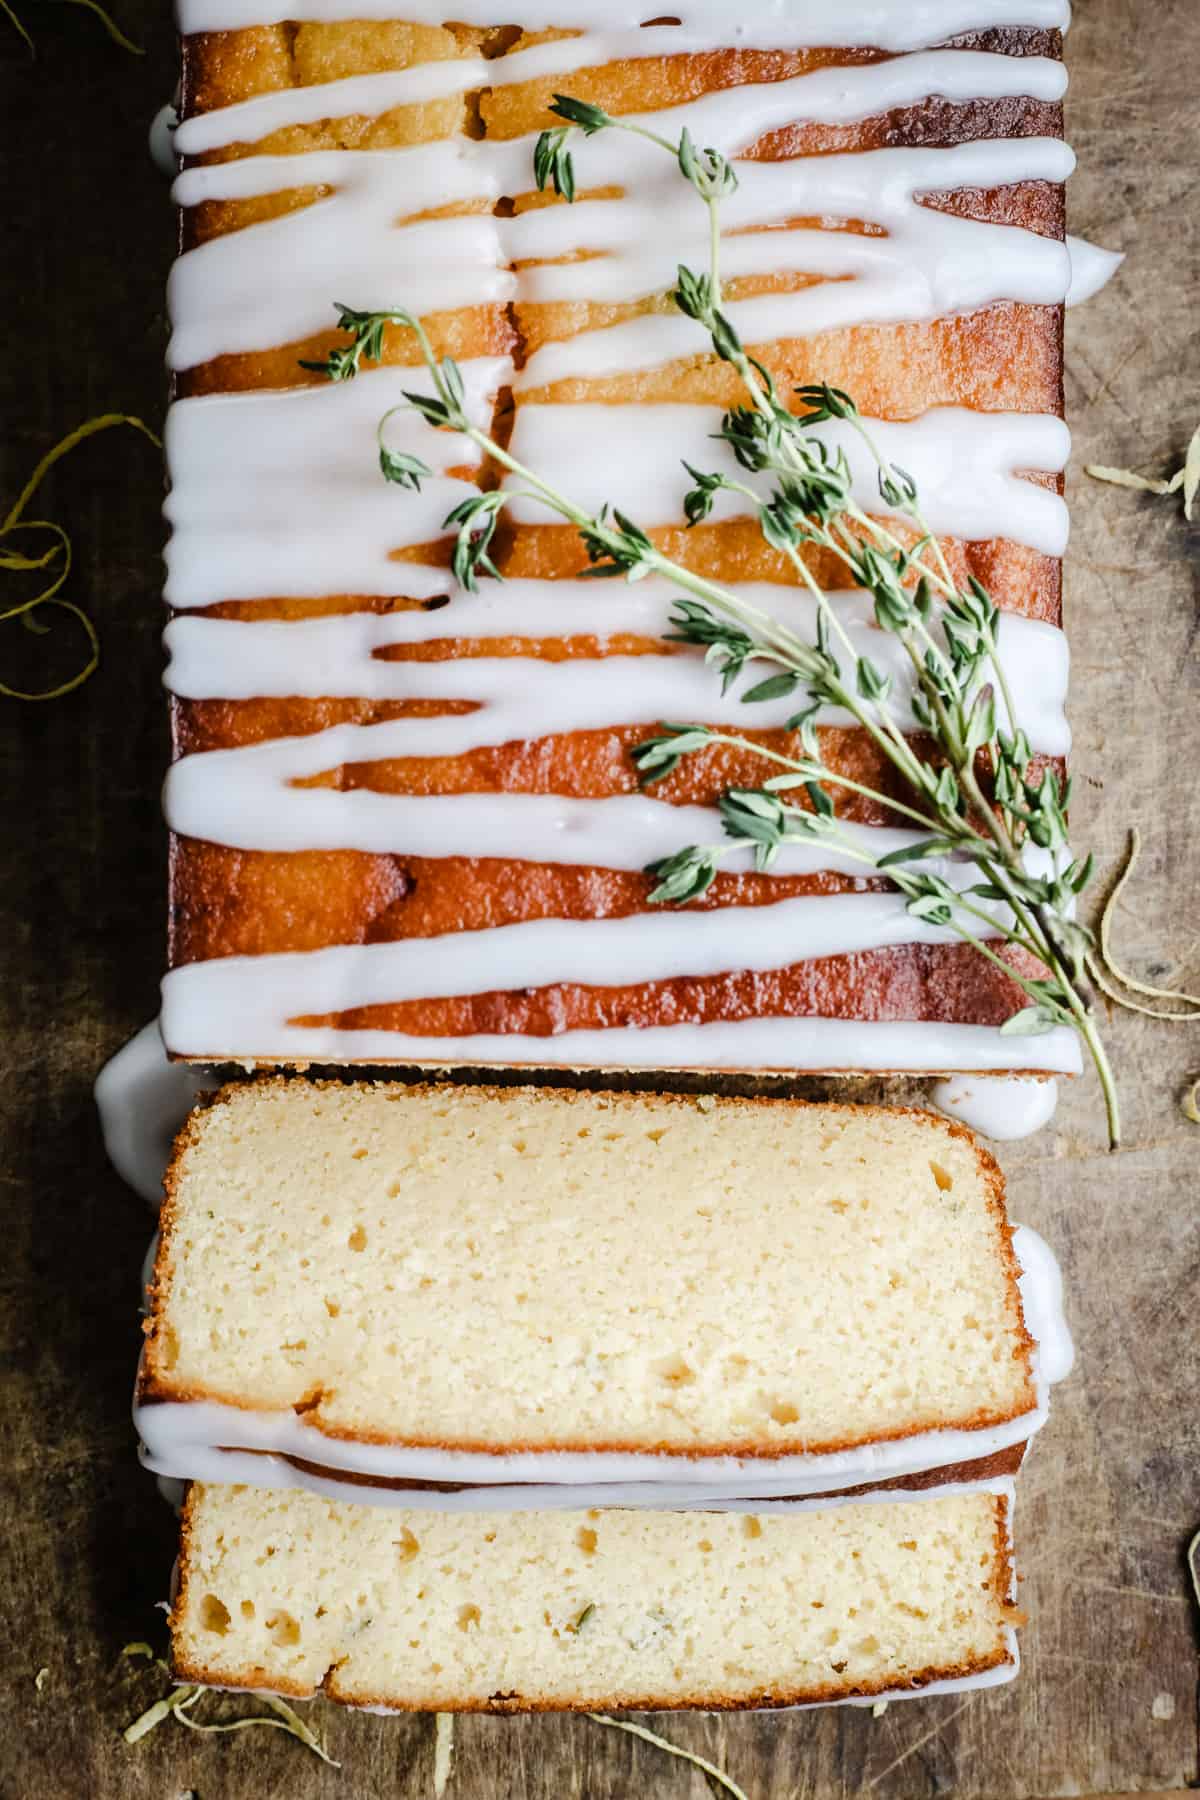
<point>986,813</point>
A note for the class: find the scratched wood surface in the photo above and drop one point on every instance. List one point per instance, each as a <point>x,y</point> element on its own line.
<point>1108,1697</point>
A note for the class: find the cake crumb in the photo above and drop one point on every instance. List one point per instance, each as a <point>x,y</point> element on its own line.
<point>879,1708</point>
<point>1163,1707</point>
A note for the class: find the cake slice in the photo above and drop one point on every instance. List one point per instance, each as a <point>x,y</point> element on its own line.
<point>529,1285</point>
<point>784,1605</point>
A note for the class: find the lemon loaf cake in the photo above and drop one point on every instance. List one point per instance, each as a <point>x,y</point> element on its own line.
<point>529,1285</point>
<point>407,826</point>
<point>507,1612</point>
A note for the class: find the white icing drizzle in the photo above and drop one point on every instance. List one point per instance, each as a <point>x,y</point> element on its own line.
<point>269,283</point>
<point>205,652</point>
<point>143,1101</point>
<point>354,96</point>
<point>369,96</point>
<point>202,1440</point>
<point>879,23</point>
<point>963,463</point>
<point>1004,1110</point>
<point>625,831</point>
<point>614,952</point>
<point>258,477</point>
<point>583,693</point>
<point>280,492</point>
<point>929,265</point>
<point>209,1007</point>
<point>1091,269</point>
<point>240,800</point>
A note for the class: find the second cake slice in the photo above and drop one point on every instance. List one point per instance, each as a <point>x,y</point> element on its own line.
<point>452,1286</point>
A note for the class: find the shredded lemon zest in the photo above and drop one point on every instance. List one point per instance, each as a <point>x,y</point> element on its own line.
<point>1193,1563</point>
<point>1187,477</point>
<point>12,18</point>
<point>1105,964</point>
<point>700,1762</point>
<point>1191,475</point>
<point>59,551</point>
<point>110,25</point>
<point>40,1679</point>
<point>178,1704</point>
<point>1191,1110</point>
<point>1127,478</point>
<point>443,1753</point>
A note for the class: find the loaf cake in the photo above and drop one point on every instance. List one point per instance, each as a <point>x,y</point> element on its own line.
<point>407,827</point>
<point>533,1289</point>
<point>520,1611</point>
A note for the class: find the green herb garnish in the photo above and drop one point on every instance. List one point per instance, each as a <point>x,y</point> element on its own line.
<point>981,802</point>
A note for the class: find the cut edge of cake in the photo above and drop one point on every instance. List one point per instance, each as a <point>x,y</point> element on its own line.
<point>233,1538</point>
<point>184,1424</point>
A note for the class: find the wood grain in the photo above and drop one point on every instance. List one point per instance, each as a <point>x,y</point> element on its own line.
<point>1108,1697</point>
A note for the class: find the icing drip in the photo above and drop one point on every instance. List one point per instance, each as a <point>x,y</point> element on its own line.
<point>615,952</point>
<point>1004,1110</point>
<point>1091,269</point>
<point>143,1101</point>
<point>269,283</point>
<point>257,478</point>
<point>961,461</point>
<point>1042,1300</point>
<point>270,280</point>
<point>849,22</point>
<point>927,266</point>
<point>164,153</point>
<point>209,1006</point>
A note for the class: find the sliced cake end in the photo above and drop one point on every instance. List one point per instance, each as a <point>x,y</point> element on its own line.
<point>507,1612</point>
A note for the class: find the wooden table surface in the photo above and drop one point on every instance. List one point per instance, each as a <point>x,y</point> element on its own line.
<point>1108,1697</point>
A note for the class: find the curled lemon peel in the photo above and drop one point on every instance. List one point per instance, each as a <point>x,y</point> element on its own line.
<point>178,1703</point>
<point>443,1753</point>
<point>1104,965</point>
<point>57,556</point>
<point>700,1762</point>
<point>1187,477</point>
<point>93,6</point>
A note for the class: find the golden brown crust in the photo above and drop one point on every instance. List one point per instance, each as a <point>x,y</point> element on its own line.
<point>1005,357</point>
<point>157,1385</point>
